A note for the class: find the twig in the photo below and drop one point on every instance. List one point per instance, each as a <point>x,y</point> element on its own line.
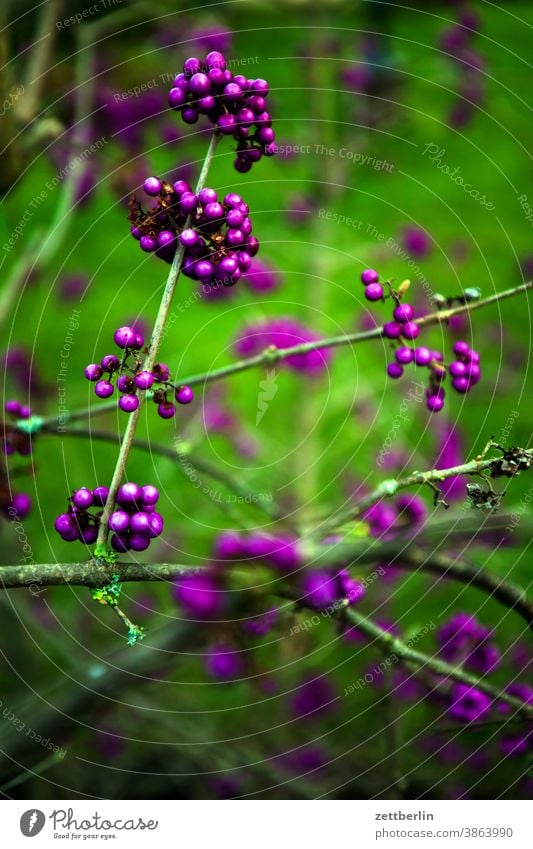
<point>423,662</point>
<point>273,355</point>
<point>390,487</point>
<point>89,574</point>
<point>157,336</point>
<point>509,595</point>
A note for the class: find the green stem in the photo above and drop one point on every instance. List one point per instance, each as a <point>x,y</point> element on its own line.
<point>157,337</point>
<point>274,355</point>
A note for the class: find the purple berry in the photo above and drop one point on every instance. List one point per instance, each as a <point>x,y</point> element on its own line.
<point>139,542</point>
<point>422,356</point>
<point>63,524</point>
<point>21,503</point>
<point>166,410</point>
<point>156,524</point>
<point>104,389</point>
<point>13,408</point>
<point>404,355</point>
<point>184,395</point>
<point>410,330</point>
<point>191,66</point>
<point>215,59</point>
<point>403,313</point>
<point>457,369</point>
<point>461,384</point>
<point>207,195</point>
<point>165,238</point>
<point>180,187</point>
<point>177,97</point>
<point>188,202</point>
<point>369,276</point>
<point>232,92</point>
<point>148,243</point>
<point>214,211</point>
<point>125,337</point>
<point>140,523</point>
<point>461,349</point>
<point>100,495</point>
<point>434,403</point>
<point>160,372</point>
<point>392,330</point>
<point>152,186</point>
<point>226,124</point>
<point>394,370</point>
<point>110,362</point>
<point>88,535</point>
<point>200,84</point>
<point>82,498</point>
<point>374,292</point>
<point>125,383</point>
<point>119,521</point>
<point>128,403</point>
<point>128,494</point>
<point>149,494</point>
<point>143,380</point>
<point>92,372</point>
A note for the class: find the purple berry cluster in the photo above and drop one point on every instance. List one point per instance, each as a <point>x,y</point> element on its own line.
<point>78,523</point>
<point>216,234</point>
<point>134,522</point>
<point>464,371</point>
<point>131,377</point>
<point>235,105</point>
<point>14,441</point>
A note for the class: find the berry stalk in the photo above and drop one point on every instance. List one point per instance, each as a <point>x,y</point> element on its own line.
<point>157,337</point>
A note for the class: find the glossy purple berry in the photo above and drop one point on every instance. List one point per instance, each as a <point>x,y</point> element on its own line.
<point>369,276</point>
<point>156,524</point>
<point>125,383</point>
<point>191,66</point>
<point>410,330</point>
<point>374,292</point>
<point>457,369</point>
<point>215,59</point>
<point>404,355</point>
<point>200,84</point>
<point>422,356</point>
<point>128,403</point>
<point>177,97</point>
<point>392,330</point>
<point>226,124</point>
<point>207,195</point>
<point>110,362</point>
<point>461,384</point>
<point>139,542</point>
<point>104,389</point>
<point>152,186</point>
<point>148,243</point>
<point>184,395</point>
<point>128,494</point>
<point>63,524</point>
<point>165,239</point>
<point>143,380</point>
<point>166,410</point>
<point>119,521</point>
<point>394,370</point>
<point>92,372</point>
<point>149,494</point>
<point>125,337</point>
<point>461,349</point>
<point>100,495</point>
<point>434,403</point>
<point>140,523</point>
<point>403,313</point>
<point>82,498</point>
<point>160,372</point>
